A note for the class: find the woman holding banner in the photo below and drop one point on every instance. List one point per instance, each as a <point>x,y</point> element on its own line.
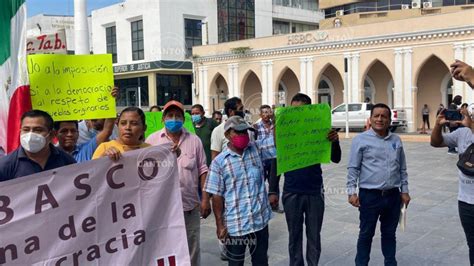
<point>132,126</point>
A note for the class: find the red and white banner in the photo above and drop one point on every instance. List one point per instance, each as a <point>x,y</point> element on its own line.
<point>96,213</point>
<point>47,43</point>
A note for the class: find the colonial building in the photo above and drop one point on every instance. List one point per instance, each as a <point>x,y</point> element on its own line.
<point>151,41</point>
<point>396,54</point>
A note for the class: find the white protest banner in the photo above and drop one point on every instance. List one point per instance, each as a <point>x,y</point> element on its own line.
<point>47,43</point>
<point>99,212</point>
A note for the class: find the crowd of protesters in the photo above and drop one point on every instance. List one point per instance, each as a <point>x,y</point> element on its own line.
<point>226,164</point>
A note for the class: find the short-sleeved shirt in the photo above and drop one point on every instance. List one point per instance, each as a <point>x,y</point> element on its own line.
<point>17,163</point>
<point>218,140</point>
<point>262,130</point>
<point>84,151</point>
<point>462,138</point>
<point>239,179</point>
<point>204,133</point>
<point>191,164</point>
<point>100,151</point>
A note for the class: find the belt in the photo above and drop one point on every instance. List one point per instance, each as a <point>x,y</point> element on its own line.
<point>382,192</point>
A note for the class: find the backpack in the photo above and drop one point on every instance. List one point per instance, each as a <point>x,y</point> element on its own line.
<point>466,161</point>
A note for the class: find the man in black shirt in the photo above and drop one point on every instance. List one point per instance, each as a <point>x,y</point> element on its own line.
<point>36,153</point>
<point>303,201</point>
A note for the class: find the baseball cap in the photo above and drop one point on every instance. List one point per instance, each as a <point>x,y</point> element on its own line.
<point>237,123</point>
<point>173,103</point>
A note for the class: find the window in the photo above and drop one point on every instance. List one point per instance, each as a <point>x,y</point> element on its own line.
<point>111,42</point>
<point>193,35</point>
<point>137,40</point>
<point>174,87</point>
<point>299,27</point>
<point>355,107</point>
<point>341,108</point>
<point>130,89</point>
<point>281,27</point>
<point>236,20</point>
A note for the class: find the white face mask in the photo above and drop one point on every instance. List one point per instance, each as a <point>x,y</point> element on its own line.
<point>32,142</point>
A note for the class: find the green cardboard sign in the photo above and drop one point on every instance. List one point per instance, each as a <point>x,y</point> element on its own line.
<point>301,136</point>
<point>154,123</point>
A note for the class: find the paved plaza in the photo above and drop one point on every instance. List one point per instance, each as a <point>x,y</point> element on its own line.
<point>433,236</point>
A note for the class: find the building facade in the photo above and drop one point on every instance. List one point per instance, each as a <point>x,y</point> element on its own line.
<point>51,24</point>
<point>151,41</point>
<point>400,57</point>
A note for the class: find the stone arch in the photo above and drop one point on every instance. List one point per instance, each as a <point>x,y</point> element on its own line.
<point>218,92</point>
<point>379,77</point>
<point>252,93</point>
<point>330,72</point>
<point>430,77</point>
<point>288,86</point>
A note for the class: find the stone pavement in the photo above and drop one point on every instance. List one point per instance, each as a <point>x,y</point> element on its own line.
<point>433,236</point>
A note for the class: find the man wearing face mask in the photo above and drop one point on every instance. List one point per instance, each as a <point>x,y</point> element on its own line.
<point>204,127</point>
<point>232,107</point>
<point>240,204</point>
<point>36,153</point>
<point>192,169</point>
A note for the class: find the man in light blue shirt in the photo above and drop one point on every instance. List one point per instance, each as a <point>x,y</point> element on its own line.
<point>377,166</point>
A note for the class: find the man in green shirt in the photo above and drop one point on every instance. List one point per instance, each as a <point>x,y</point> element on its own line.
<point>203,127</point>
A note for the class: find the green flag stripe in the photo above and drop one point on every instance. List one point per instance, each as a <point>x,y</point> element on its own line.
<point>8,9</point>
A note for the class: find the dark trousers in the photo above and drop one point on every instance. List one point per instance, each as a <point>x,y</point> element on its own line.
<point>426,119</point>
<point>377,205</point>
<point>466,213</point>
<point>258,246</point>
<point>307,209</point>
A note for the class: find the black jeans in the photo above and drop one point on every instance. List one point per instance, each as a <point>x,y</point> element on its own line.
<point>466,213</point>
<point>307,209</point>
<point>375,205</point>
<point>257,243</point>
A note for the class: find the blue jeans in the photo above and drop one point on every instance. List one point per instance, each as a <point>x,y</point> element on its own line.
<point>377,205</point>
<point>308,210</point>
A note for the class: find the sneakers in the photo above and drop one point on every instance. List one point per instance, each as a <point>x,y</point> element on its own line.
<point>452,153</point>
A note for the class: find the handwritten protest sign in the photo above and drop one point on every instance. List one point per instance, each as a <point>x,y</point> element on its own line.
<point>99,212</point>
<point>47,43</point>
<point>301,136</point>
<point>154,123</point>
<point>72,87</point>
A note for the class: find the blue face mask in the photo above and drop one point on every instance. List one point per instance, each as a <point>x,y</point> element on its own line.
<point>196,118</point>
<point>173,125</point>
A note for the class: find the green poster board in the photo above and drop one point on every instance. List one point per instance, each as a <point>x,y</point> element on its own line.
<point>301,136</point>
<point>154,123</point>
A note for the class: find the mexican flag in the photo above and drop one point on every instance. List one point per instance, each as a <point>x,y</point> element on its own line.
<point>14,85</point>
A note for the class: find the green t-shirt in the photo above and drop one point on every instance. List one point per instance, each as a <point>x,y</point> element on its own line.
<point>204,133</point>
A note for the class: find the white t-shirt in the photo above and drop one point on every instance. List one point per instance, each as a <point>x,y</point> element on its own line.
<point>218,140</point>
<point>462,138</point>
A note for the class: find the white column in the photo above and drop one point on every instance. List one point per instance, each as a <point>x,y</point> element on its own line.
<point>271,91</point>
<point>81,28</point>
<point>408,88</point>
<point>309,78</point>
<point>230,83</point>
<point>458,86</point>
<point>205,95</point>
<point>236,80</point>
<point>264,82</point>
<point>303,75</point>
<point>469,60</point>
<point>398,81</point>
<point>202,85</point>
<point>348,86</point>
<point>355,90</point>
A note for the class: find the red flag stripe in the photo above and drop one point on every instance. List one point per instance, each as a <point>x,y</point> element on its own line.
<point>20,102</point>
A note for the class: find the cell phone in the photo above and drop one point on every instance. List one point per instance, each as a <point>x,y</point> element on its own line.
<point>452,115</point>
